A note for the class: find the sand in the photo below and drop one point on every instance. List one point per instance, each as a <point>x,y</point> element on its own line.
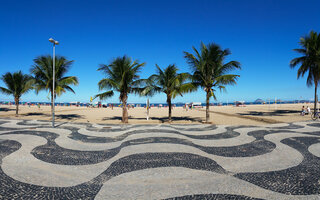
<point>225,115</point>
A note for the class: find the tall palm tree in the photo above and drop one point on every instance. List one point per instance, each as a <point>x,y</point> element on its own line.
<point>169,82</point>
<point>17,85</point>
<point>210,71</point>
<point>309,61</point>
<point>43,75</point>
<point>121,76</point>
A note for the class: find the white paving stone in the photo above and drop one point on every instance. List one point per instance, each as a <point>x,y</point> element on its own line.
<point>160,183</point>
<point>315,149</point>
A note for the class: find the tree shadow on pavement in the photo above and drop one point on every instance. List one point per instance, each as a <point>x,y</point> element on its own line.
<point>69,116</point>
<point>36,114</point>
<point>272,113</point>
<point>161,119</point>
<point>6,109</point>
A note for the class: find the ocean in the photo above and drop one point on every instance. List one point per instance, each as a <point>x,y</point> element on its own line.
<point>179,104</point>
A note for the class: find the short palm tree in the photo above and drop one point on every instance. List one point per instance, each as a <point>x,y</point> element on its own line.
<point>43,75</point>
<point>122,76</point>
<point>309,61</point>
<point>169,82</point>
<point>210,71</point>
<point>17,85</point>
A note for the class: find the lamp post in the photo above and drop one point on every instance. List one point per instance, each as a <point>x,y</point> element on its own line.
<point>148,107</point>
<point>54,42</point>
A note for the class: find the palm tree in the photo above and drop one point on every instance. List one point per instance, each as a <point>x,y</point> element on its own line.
<point>122,76</point>
<point>43,75</point>
<point>210,71</point>
<point>17,85</point>
<point>309,61</point>
<point>169,82</point>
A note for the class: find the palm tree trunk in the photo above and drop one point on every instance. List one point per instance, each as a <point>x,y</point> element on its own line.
<point>315,98</point>
<point>169,106</point>
<point>207,106</point>
<point>16,100</point>
<point>124,109</point>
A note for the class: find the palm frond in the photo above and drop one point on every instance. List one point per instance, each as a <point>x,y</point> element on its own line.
<point>232,65</point>
<point>222,88</point>
<point>150,90</point>
<point>104,95</point>
<point>6,91</point>
<point>182,77</point>
<point>212,94</point>
<point>140,82</point>
<point>108,84</point>
<point>66,87</point>
<point>296,61</point>
<point>301,51</point>
<point>69,80</point>
<point>193,62</point>
<point>228,79</point>
<point>187,88</point>
<point>184,88</point>
<point>310,80</point>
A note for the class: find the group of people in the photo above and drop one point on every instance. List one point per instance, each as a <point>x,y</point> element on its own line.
<point>188,106</point>
<point>305,111</point>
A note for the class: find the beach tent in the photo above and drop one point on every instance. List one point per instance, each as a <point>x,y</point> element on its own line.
<point>239,103</point>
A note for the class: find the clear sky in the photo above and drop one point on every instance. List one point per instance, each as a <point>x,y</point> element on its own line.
<point>260,34</point>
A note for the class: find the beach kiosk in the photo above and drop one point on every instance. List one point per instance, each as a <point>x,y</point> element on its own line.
<point>196,105</point>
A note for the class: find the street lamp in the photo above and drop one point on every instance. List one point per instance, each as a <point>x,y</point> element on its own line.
<point>54,42</point>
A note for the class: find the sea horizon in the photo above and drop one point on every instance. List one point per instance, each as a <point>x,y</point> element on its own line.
<point>156,104</point>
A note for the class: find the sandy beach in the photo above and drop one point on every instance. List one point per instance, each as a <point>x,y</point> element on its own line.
<point>224,115</point>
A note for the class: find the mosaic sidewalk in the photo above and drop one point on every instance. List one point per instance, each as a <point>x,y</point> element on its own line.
<point>92,161</point>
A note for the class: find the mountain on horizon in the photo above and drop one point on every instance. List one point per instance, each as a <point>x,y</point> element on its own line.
<point>259,101</point>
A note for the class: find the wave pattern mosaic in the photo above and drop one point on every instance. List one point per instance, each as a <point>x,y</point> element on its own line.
<point>92,161</point>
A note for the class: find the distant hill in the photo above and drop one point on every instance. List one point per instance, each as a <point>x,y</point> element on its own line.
<point>259,101</point>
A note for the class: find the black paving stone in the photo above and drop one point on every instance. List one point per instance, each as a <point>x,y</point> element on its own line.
<point>303,179</point>
<point>314,125</point>
<point>53,153</point>
<point>213,197</point>
<point>155,160</point>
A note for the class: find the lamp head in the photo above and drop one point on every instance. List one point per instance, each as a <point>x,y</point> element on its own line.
<point>53,41</point>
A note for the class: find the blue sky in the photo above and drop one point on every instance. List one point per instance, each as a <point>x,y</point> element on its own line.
<point>260,34</point>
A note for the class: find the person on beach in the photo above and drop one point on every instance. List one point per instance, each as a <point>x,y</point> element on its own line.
<point>303,111</point>
<point>308,110</point>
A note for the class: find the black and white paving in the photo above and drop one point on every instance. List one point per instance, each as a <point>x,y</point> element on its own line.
<point>95,161</point>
